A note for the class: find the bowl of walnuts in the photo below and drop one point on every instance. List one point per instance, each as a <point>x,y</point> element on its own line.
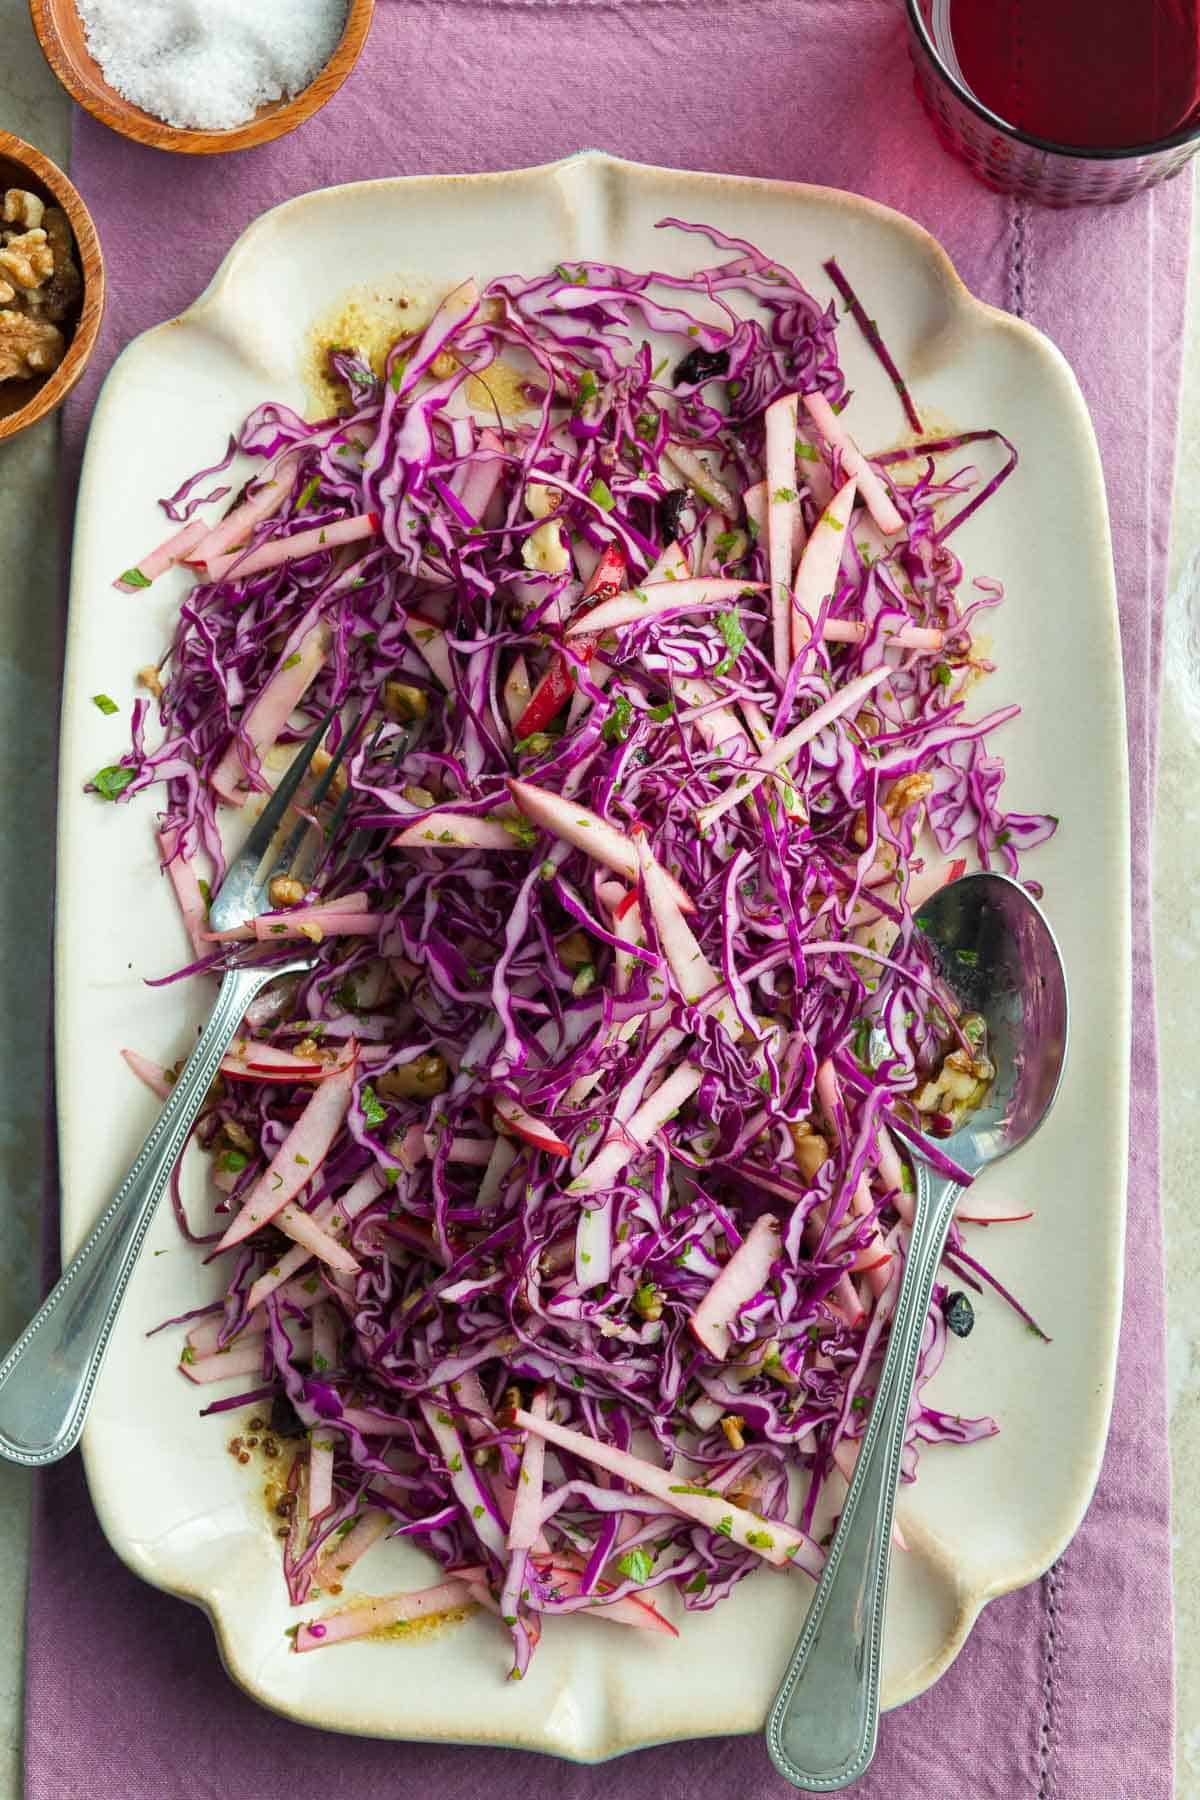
<point>51,286</point>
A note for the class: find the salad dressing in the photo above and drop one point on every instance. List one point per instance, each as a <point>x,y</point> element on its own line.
<point>368,319</point>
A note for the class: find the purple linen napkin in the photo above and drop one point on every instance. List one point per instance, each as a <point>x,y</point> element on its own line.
<point>1064,1691</point>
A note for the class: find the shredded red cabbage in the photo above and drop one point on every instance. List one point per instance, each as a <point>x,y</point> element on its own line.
<point>575,1038</point>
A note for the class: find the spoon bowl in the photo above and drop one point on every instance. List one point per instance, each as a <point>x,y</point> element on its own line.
<point>994,954</point>
<point>992,946</point>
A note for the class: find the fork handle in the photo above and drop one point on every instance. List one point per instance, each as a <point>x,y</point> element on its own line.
<point>47,1378</point>
<point>822,1727</point>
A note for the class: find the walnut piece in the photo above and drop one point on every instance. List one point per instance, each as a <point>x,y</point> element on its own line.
<point>28,346</point>
<point>811,1148</point>
<point>39,284</point>
<point>732,1425</point>
<point>320,762</point>
<point>26,258</point>
<point>403,702</point>
<point>23,209</point>
<point>283,891</point>
<point>907,792</point>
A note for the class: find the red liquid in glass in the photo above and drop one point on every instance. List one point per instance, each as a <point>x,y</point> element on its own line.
<point>1091,74</point>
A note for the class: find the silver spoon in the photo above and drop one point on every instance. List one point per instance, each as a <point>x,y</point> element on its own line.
<point>997,955</point>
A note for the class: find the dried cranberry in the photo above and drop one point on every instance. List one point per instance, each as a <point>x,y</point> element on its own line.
<point>669,508</point>
<point>284,1422</point>
<point>701,365</point>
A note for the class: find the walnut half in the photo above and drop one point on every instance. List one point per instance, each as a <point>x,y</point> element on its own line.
<point>23,209</point>
<point>28,346</point>
<point>26,259</point>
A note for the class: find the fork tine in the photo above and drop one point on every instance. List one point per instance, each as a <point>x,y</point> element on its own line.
<point>300,831</point>
<point>241,897</point>
<point>360,838</point>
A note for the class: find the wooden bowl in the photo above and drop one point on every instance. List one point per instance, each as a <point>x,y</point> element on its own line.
<point>64,44</point>
<point>22,403</point>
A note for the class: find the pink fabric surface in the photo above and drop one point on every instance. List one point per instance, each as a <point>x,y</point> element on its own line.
<point>1064,1691</point>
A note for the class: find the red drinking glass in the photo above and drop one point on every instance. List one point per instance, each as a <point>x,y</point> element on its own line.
<point>1063,101</point>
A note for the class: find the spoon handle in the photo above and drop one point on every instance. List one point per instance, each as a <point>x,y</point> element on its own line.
<point>823,1724</point>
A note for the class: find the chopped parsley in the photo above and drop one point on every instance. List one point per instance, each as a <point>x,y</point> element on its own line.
<point>112,781</point>
<point>730,627</point>
<point>619,723</point>
<point>637,1565</point>
<point>535,743</point>
<point>373,1111</point>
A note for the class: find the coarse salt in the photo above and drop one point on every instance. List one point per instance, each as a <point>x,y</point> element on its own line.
<point>210,64</point>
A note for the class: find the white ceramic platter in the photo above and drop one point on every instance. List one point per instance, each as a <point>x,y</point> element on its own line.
<point>981,1520</point>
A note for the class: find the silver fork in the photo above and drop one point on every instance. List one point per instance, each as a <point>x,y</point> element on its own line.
<point>48,1377</point>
